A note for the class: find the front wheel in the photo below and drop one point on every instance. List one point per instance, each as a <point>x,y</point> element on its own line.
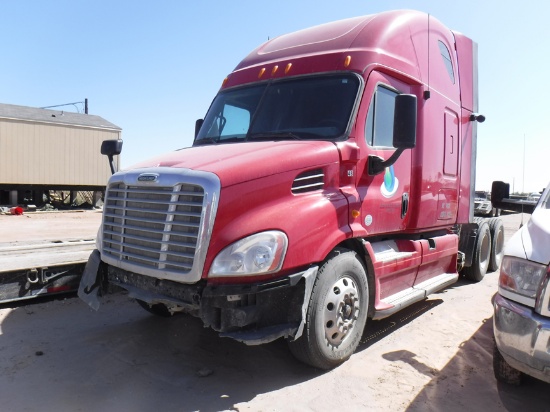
<point>337,312</point>
<point>503,371</point>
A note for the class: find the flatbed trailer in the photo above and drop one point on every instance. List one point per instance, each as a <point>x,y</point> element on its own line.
<point>44,253</point>
<point>32,270</point>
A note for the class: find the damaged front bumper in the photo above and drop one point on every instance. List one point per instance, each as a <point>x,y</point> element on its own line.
<point>251,313</point>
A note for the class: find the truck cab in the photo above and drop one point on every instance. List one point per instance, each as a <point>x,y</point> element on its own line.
<point>331,181</point>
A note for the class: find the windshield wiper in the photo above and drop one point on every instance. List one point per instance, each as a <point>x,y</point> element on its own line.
<point>274,136</point>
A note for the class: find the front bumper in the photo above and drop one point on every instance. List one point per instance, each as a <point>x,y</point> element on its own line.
<point>251,313</point>
<point>522,337</point>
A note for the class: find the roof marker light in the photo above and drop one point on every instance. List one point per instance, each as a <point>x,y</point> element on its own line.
<point>347,61</point>
<point>274,70</point>
<point>225,81</point>
<point>287,68</point>
<point>262,71</point>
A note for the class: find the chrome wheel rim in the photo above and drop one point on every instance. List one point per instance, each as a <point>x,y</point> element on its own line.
<point>341,310</point>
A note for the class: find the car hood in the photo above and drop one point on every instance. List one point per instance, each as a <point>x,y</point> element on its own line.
<point>532,241</point>
<point>241,162</point>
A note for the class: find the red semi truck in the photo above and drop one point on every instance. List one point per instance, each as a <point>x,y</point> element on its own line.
<point>330,182</point>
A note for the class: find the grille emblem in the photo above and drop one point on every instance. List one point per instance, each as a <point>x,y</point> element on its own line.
<point>148,177</point>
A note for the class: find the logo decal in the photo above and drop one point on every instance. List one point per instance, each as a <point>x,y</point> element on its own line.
<point>148,177</point>
<point>391,183</point>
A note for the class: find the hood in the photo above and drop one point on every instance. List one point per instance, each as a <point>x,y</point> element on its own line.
<point>241,162</point>
<point>532,241</point>
<point>536,236</point>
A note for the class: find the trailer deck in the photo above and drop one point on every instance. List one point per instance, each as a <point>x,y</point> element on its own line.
<point>44,253</point>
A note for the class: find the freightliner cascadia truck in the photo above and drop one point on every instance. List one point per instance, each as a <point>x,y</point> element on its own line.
<point>331,181</point>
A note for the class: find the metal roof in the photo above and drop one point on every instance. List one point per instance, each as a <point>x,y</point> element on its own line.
<point>33,114</point>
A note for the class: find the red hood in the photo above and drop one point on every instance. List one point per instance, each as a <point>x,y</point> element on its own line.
<point>241,162</point>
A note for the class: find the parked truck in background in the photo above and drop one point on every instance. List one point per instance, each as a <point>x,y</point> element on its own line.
<point>483,205</point>
<point>330,182</point>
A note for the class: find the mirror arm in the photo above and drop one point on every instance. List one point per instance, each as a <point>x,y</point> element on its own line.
<point>111,163</point>
<point>377,165</point>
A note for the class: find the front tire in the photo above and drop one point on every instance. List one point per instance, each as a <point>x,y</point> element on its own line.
<point>337,312</point>
<point>503,371</point>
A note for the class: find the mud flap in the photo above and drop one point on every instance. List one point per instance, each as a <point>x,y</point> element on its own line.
<point>90,283</point>
<point>309,276</point>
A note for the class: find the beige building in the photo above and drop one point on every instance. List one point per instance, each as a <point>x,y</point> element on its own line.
<point>51,150</point>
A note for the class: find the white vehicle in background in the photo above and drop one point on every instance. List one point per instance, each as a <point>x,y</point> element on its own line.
<point>522,304</point>
<point>483,205</point>
<point>534,197</point>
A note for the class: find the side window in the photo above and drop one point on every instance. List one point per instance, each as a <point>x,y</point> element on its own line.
<point>379,125</point>
<point>447,60</point>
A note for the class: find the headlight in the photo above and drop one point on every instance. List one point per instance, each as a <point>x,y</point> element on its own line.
<point>521,276</point>
<point>257,254</point>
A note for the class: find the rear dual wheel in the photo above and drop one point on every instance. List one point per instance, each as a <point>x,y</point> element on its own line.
<point>337,312</point>
<point>496,227</point>
<point>482,252</point>
<point>488,250</point>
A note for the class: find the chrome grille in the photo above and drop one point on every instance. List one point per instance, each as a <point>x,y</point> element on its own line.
<point>153,227</point>
<point>309,181</point>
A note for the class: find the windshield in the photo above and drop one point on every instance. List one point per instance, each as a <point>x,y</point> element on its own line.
<point>317,107</point>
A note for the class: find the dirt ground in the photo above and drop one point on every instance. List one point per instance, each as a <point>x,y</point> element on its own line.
<point>59,355</point>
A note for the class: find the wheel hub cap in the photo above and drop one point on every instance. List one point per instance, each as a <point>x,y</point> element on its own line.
<point>341,310</point>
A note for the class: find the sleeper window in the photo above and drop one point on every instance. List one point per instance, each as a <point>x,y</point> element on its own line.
<point>447,60</point>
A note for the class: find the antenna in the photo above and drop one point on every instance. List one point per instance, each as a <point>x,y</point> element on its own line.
<point>523,181</point>
<point>427,92</point>
<point>85,103</point>
<point>523,177</point>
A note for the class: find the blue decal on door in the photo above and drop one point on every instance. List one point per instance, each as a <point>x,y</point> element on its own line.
<point>391,183</point>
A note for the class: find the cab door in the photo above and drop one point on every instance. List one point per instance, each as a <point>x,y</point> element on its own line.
<point>385,196</point>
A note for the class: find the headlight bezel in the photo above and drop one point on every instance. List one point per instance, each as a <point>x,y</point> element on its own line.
<point>520,279</point>
<point>258,254</point>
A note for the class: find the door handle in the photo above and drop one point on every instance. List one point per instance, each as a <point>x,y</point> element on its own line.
<point>404,204</point>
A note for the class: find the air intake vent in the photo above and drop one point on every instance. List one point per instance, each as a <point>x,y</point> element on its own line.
<point>309,181</point>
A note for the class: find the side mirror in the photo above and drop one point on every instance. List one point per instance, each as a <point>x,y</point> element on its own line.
<point>198,124</point>
<point>404,133</point>
<point>404,122</point>
<point>111,148</point>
